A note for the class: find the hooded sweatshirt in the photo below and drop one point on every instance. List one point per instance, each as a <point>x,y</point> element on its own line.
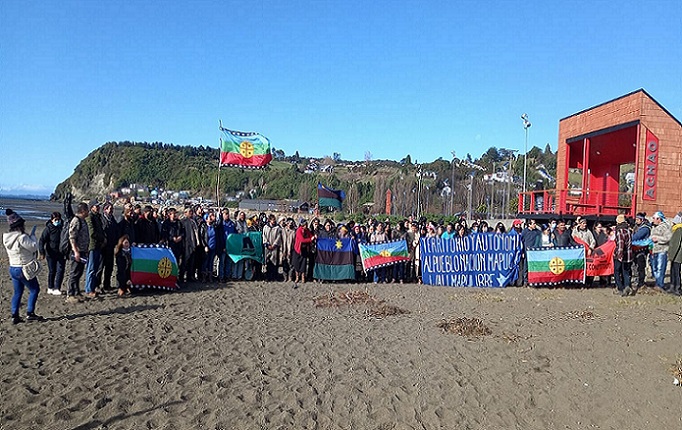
<point>21,248</point>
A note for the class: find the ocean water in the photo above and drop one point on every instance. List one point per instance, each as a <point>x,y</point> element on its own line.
<point>29,209</point>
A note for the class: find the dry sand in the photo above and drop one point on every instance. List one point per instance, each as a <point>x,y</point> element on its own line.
<point>262,356</point>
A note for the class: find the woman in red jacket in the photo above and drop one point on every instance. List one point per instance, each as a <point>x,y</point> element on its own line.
<point>304,238</point>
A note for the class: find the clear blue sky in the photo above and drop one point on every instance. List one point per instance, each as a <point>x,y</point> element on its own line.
<point>390,77</point>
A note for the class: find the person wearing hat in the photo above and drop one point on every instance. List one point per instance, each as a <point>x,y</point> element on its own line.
<point>641,234</point>
<point>622,256</point>
<point>661,233</point>
<point>675,257</point>
<point>21,249</point>
<point>48,247</point>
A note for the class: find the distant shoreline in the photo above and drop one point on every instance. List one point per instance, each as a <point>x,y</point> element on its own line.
<point>30,209</point>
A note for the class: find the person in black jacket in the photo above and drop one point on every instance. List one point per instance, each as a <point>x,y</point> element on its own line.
<point>126,224</point>
<point>562,235</point>
<point>111,233</point>
<point>146,228</point>
<point>48,247</point>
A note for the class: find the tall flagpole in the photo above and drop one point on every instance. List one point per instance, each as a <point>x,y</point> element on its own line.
<point>217,187</point>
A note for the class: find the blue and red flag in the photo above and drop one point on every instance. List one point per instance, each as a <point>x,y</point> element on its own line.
<point>383,254</point>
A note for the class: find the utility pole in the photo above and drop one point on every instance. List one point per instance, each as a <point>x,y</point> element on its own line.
<point>471,195</point>
<point>452,185</point>
<point>492,194</point>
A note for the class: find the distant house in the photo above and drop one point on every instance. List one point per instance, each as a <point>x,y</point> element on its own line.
<point>258,205</point>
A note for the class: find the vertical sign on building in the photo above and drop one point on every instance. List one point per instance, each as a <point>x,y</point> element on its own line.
<point>650,167</point>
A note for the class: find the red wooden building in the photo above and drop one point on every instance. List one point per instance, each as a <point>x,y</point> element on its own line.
<point>622,156</point>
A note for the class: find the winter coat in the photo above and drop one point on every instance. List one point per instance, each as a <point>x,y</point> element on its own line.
<point>96,231</point>
<point>21,247</point>
<point>662,232</point>
<point>49,239</point>
<point>675,245</point>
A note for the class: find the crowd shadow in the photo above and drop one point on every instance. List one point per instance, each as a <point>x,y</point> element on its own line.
<point>98,424</point>
<point>121,310</point>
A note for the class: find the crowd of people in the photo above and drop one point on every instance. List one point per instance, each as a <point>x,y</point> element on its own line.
<point>91,241</point>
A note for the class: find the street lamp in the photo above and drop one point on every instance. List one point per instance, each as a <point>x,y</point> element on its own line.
<point>526,126</point>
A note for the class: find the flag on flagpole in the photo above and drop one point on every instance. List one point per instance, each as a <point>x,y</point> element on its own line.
<point>329,198</point>
<point>246,150</point>
<point>553,266</point>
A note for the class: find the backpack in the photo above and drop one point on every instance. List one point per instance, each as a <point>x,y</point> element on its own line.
<point>64,242</point>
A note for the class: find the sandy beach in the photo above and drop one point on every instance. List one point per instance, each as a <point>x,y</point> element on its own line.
<point>263,356</point>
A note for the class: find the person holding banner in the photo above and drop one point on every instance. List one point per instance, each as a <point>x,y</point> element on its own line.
<point>377,237</point>
<point>622,257</point>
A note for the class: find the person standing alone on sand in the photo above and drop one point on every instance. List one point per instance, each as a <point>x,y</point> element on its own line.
<point>79,237</point>
<point>21,249</point>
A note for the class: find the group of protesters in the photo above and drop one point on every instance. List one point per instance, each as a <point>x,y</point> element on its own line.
<point>93,241</point>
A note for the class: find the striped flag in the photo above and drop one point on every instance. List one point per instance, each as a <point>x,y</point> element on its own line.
<point>246,150</point>
<point>153,266</point>
<point>329,198</point>
<point>335,259</point>
<point>383,254</point>
<point>553,266</point>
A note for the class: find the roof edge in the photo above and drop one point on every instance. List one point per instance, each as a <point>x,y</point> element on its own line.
<point>642,90</point>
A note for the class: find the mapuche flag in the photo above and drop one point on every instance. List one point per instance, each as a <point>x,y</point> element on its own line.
<point>383,254</point>
<point>553,266</point>
<point>329,198</point>
<point>335,259</point>
<point>153,267</point>
<point>239,149</point>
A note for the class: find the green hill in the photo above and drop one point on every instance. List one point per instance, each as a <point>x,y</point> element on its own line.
<point>171,167</point>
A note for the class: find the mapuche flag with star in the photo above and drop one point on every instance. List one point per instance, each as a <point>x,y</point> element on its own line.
<point>553,266</point>
<point>335,259</point>
<point>245,150</point>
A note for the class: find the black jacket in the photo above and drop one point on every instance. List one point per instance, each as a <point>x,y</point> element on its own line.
<point>49,239</point>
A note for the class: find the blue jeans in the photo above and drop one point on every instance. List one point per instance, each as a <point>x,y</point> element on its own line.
<point>208,263</point>
<point>94,258</point>
<point>659,263</point>
<point>621,274</point>
<point>225,266</point>
<point>380,275</point>
<point>19,282</point>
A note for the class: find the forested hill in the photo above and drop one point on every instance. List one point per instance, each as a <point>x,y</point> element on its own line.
<point>171,167</point>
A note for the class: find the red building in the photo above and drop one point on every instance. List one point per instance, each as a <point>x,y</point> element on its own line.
<point>622,156</point>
